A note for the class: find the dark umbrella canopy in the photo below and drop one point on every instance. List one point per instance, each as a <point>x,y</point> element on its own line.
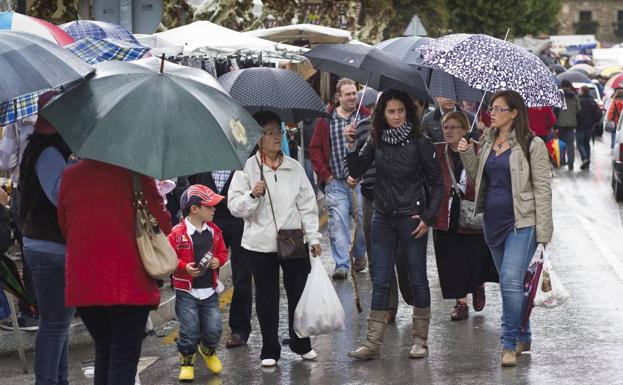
<point>279,90</point>
<point>368,65</point>
<point>402,47</point>
<point>557,68</point>
<point>30,63</point>
<point>179,122</point>
<point>10,281</point>
<point>574,77</point>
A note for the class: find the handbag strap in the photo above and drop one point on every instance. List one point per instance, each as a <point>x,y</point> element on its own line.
<point>270,199</point>
<point>451,172</point>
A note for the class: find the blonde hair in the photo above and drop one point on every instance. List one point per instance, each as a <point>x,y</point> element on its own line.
<point>459,116</point>
<point>343,82</point>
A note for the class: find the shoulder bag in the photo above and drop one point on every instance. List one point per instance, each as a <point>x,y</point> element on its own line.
<point>158,257</point>
<point>468,219</point>
<point>290,243</point>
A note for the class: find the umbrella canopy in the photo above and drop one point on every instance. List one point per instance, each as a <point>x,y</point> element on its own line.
<point>19,108</point>
<point>574,77</point>
<point>401,47</point>
<point>368,65</point>
<point>10,281</point>
<point>610,71</point>
<point>279,90</point>
<point>30,63</point>
<point>579,59</point>
<point>81,29</point>
<point>162,124</point>
<point>492,65</point>
<point>95,51</point>
<point>13,21</point>
<point>587,69</point>
<point>615,81</point>
<point>557,68</point>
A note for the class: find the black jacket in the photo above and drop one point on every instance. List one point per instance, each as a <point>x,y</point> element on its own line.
<point>222,211</point>
<point>590,113</point>
<point>404,173</point>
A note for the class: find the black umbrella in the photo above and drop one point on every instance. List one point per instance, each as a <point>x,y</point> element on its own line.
<point>10,281</point>
<point>30,63</point>
<point>370,66</point>
<point>573,77</point>
<point>279,90</point>
<point>557,68</point>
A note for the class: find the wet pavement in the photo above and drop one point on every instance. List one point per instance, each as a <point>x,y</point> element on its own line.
<point>578,343</point>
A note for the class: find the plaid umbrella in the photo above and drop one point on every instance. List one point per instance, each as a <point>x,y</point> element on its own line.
<point>492,65</point>
<point>81,29</point>
<point>95,51</point>
<point>19,108</point>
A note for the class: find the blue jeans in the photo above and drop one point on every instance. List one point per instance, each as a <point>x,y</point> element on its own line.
<point>338,197</point>
<point>511,260</point>
<point>309,171</point>
<point>48,273</point>
<point>386,232</point>
<point>200,321</point>
<point>583,141</point>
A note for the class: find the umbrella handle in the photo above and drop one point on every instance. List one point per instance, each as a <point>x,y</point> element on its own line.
<point>478,111</point>
<point>363,94</point>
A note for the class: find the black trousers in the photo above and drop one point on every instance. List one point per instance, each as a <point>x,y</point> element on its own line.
<point>265,268</point>
<point>118,335</point>
<point>242,300</point>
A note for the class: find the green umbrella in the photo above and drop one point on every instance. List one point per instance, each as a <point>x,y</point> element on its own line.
<point>156,118</point>
<point>9,280</point>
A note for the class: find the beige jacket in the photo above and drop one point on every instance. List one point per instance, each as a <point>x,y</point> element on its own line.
<point>530,181</point>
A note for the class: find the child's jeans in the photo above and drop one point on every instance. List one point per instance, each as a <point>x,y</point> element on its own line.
<point>200,321</point>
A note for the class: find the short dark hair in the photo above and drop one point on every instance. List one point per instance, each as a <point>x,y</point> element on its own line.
<point>186,211</point>
<point>264,117</point>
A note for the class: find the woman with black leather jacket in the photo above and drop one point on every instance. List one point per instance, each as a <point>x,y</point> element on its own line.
<point>407,197</point>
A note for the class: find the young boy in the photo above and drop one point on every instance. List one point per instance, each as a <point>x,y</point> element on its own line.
<point>201,251</point>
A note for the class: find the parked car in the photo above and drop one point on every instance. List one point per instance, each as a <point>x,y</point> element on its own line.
<point>617,163</point>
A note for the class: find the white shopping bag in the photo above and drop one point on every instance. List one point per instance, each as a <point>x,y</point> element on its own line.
<point>550,292</point>
<point>319,310</point>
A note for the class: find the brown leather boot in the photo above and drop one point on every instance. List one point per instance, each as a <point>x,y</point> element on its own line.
<point>421,321</point>
<point>371,348</point>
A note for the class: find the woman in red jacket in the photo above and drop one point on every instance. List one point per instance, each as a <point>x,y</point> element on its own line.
<point>105,278</point>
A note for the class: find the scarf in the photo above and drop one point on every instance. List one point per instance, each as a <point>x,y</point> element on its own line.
<point>396,135</point>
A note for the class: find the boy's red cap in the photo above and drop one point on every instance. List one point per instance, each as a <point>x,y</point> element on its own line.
<point>199,194</point>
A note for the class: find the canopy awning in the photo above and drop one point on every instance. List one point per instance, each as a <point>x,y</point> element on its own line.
<point>314,34</point>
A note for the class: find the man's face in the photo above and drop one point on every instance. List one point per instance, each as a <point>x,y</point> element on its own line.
<point>348,97</point>
<point>446,104</point>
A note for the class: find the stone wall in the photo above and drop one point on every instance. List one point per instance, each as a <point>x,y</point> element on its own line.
<point>604,17</point>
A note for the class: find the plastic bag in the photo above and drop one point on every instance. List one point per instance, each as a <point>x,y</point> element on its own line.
<point>550,292</point>
<point>319,310</point>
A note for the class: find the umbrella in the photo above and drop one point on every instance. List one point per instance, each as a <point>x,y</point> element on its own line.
<point>19,108</point>
<point>30,64</point>
<point>368,98</point>
<point>81,29</point>
<point>368,65</point>
<point>10,281</point>
<point>279,90</point>
<point>167,123</point>
<point>574,77</point>
<point>610,71</point>
<point>491,64</point>
<point>587,69</point>
<point>557,68</point>
<point>439,83</point>
<point>14,21</point>
<point>615,81</point>
<point>579,59</point>
<point>95,51</point>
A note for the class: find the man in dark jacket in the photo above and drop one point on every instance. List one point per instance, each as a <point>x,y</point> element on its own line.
<point>232,227</point>
<point>431,122</point>
<point>589,115</point>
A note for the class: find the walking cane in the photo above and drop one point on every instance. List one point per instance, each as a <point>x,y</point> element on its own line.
<point>352,247</point>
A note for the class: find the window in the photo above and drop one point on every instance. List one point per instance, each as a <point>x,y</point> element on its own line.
<point>586,16</point>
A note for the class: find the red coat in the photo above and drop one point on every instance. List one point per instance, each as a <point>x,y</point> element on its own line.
<point>320,146</point>
<point>442,220</point>
<point>96,216</point>
<point>183,246</point>
<point>541,120</point>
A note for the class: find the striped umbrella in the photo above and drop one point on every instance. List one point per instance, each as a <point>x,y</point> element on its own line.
<point>14,21</point>
<point>95,51</point>
<point>81,29</point>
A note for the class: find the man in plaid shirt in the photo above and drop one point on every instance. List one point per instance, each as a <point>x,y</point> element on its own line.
<point>327,152</point>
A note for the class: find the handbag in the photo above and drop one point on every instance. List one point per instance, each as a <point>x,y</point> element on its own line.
<point>611,125</point>
<point>158,257</point>
<point>468,219</point>
<point>290,243</point>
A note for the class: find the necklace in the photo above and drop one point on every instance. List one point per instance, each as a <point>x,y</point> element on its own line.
<point>501,143</point>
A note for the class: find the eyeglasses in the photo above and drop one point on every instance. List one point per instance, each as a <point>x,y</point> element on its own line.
<point>497,109</point>
<point>451,127</point>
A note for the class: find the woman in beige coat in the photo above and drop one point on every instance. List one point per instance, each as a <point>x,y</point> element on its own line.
<point>512,176</point>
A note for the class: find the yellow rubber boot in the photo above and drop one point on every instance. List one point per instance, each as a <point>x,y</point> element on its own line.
<point>211,359</point>
<point>187,368</point>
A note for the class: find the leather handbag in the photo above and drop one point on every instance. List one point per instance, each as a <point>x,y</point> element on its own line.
<point>158,257</point>
<point>468,219</point>
<point>290,243</point>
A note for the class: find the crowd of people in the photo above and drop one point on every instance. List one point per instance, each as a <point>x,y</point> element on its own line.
<point>478,176</point>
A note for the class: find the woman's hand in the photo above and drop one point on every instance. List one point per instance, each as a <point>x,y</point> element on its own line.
<point>259,188</point>
<point>192,270</point>
<point>421,229</point>
<point>214,264</point>
<point>463,145</point>
<point>316,250</point>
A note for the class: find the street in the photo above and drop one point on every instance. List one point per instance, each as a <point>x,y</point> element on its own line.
<point>580,342</point>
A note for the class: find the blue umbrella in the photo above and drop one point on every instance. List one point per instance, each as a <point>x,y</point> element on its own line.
<point>81,29</point>
<point>19,108</point>
<point>95,51</point>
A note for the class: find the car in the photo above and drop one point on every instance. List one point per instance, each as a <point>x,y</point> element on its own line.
<point>617,163</point>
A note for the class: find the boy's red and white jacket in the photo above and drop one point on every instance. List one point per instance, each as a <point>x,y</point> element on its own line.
<point>183,246</point>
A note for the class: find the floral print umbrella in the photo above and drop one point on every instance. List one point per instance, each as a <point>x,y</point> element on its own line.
<point>491,64</point>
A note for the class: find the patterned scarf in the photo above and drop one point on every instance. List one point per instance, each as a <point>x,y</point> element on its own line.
<point>396,135</point>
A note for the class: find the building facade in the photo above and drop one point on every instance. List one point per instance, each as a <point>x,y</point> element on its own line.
<point>603,18</point>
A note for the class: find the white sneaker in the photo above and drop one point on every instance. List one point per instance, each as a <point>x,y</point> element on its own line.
<point>268,362</point>
<point>310,355</point>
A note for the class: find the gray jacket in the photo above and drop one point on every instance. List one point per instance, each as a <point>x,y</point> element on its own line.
<point>530,182</point>
<point>568,117</point>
